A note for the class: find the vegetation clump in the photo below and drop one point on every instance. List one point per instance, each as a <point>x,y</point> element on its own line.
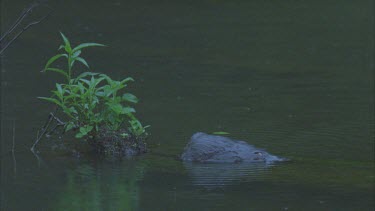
<point>97,108</point>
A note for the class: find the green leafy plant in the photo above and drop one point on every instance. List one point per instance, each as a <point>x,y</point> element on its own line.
<point>92,101</point>
<point>71,54</point>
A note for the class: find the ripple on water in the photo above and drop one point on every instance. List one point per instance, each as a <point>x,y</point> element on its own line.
<point>215,175</point>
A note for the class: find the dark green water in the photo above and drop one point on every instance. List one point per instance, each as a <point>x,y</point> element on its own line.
<point>293,77</point>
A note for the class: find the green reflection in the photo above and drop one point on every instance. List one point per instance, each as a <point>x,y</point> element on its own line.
<point>106,186</point>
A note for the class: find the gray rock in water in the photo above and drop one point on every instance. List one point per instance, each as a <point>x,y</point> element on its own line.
<point>205,148</point>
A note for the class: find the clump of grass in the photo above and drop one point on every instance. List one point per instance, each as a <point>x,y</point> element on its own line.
<point>95,106</point>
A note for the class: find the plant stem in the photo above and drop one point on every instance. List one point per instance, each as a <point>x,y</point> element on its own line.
<point>69,69</point>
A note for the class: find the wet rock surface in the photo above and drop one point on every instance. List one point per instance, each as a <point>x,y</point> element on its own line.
<point>205,148</point>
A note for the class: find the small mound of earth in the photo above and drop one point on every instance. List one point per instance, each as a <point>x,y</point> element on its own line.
<point>118,143</point>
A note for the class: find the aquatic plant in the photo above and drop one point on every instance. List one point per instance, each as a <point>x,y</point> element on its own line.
<point>93,102</point>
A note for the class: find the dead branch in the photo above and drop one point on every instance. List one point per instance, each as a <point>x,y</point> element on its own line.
<point>16,24</point>
<point>13,147</point>
<point>24,13</point>
<point>59,124</point>
<point>44,131</point>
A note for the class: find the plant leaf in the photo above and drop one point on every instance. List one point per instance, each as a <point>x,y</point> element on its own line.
<point>58,71</point>
<point>69,126</point>
<point>127,80</point>
<point>85,45</point>
<point>130,98</point>
<point>127,110</point>
<point>100,94</point>
<point>84,131</point>
<point>117,108</point>
<point>59,88</point>
<point>53,59</point>
<point>68,48</point>
<point>81,87</point>
<point>86,81</point>
<point>220,133</point>
<point>52,100</point>
<point>73,110</point>
<point>80,59</point>
<point>84,74</point>
<point>60,91</point>
<point>76,54</point>
<point>80,135</point>
<point>97,81</point>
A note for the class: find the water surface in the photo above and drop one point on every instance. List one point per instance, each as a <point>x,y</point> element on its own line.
<point>293,77</point>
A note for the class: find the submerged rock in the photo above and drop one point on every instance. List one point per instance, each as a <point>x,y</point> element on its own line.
<point>205,148</point>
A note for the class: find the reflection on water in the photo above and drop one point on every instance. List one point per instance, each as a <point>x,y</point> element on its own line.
<point>219,175</point>
<point>105,187</point>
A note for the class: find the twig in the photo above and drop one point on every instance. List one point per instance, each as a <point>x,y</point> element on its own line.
<point>44,130</point>
<point>24,29</point>
<point>14,135</point>
<point>59,124</point>
<point>53,130</point>
<point>24,13</point>
<point>20,19</point>
<point>57,119</point>
<point>13,147</point>
<point>38,158</point>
